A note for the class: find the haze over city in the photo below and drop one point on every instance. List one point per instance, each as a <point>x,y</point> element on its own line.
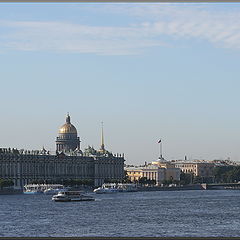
<point>148,71</point>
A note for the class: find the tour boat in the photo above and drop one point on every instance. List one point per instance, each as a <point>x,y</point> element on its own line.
<point>107,188</point>
<point>54,189</point>
<point>127,187</point>
<point>42,188</point>
<point>32,189</point>
<point>70,196</point>
<point>114,188</point>
<point>28,191</point>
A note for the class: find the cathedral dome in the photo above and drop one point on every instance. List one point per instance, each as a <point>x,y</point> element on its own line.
<point>67,139</point>
<point>67,127</point>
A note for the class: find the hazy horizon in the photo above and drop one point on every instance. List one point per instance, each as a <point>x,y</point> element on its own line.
<point>148,71</point>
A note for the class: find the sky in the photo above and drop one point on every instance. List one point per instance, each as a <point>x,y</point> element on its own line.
<point>148,71</point>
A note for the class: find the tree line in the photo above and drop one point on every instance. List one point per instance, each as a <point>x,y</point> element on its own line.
<point>66,182</point>
<point>227,174</point>
<point>6,183</point>
<point>221,174</point>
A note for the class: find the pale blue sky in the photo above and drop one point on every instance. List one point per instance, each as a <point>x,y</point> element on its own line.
<point>149,71</point>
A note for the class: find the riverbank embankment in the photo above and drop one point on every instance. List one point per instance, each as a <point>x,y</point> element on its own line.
<point>9,191</point>
<point>173,188</point>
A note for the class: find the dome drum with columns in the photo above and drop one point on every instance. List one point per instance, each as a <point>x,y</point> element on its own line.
<point>67,139</point>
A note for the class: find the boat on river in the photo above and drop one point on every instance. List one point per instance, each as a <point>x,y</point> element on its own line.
<point>54,189</point>
<point>71,196</point>
<point>33,189</point>
<point>107,188</point>
<point>42,188</point>
<point>127,187</point>
<point>116,187</point>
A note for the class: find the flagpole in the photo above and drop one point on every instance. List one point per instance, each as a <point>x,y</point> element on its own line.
<point>160,148</point>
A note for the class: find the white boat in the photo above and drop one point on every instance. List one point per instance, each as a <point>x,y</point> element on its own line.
<point>116,187</point>
<point>33,189</point>
<point>42,188</point>
<point>54,189</point>
<point>127,187</point>
<point>107,188</point>
<point>28,191</point>
<point>70,196</point>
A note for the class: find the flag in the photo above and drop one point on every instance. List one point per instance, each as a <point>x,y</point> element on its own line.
<point>159,141</point>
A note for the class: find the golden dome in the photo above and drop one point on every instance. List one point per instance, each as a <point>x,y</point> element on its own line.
<point>67,127</point>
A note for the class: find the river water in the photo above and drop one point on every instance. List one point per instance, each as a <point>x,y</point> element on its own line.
<point>140,214</point>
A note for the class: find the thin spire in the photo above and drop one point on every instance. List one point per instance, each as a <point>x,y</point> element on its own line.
<point>102,139</point>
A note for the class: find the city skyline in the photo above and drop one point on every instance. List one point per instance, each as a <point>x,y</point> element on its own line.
<point>148,71</point>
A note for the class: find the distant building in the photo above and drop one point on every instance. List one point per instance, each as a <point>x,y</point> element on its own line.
<point>201,169</point>
<point>159,171</point>
<point>134,173</point>
<point>69,162</point>
<point>226,162</point>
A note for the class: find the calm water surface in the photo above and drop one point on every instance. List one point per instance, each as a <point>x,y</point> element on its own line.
<point>140,214</point>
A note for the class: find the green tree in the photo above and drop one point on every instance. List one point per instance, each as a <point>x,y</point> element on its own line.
<point>6,183</point>
<point>226,174</point>
<point>144,181</point>
<point>197,179</point>
<point>185,178</point>
<point>126,178</point>
<point>177,182</point>
<point>166,182</point>
<point>219,173</point>
<point>107,180</point>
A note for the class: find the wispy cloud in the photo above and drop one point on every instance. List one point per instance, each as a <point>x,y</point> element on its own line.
<point>148,26</point>
<point>59,36</point>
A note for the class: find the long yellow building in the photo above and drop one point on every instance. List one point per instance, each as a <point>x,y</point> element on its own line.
<point>159,171</point>
<point>201,169</point>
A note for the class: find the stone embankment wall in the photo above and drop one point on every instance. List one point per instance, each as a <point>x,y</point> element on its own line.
<point>10,191</point>
<point>187,187</point>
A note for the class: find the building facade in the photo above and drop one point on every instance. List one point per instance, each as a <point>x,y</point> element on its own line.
<point>158,170</point>
<point>200,169</point>
<point>134,173</point>
<point>69,162</point>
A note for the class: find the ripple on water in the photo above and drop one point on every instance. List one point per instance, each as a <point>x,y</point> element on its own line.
<point>140,214</point>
